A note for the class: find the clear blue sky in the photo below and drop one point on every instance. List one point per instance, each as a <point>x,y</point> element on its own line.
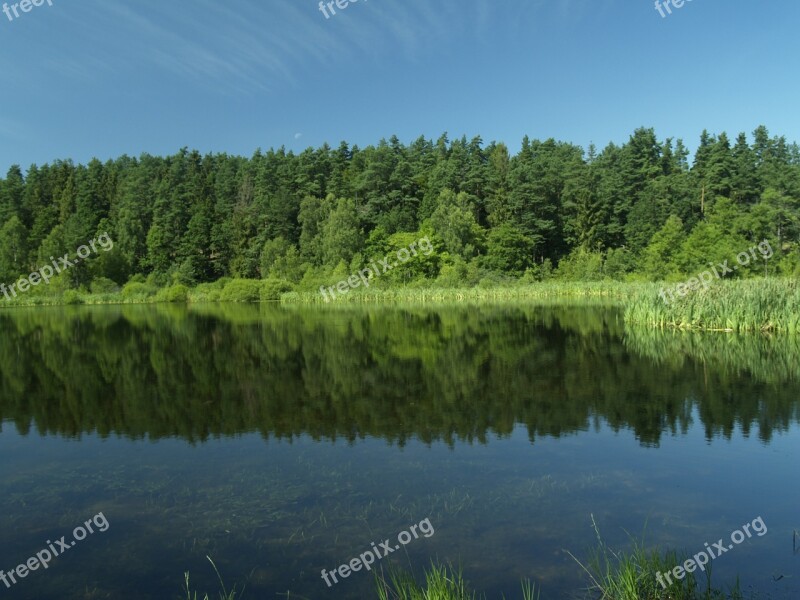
<point>101,78</point>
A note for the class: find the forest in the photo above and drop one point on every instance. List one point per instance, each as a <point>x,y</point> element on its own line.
<point>637,211</point>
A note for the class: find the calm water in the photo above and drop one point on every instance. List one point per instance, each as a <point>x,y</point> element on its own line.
<point>281,441</point>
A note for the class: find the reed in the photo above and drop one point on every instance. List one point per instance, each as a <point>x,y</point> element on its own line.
<point>605,290</point>
<point>738,305</point>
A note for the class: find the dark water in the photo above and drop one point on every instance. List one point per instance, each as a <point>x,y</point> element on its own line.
<point>281,441</point>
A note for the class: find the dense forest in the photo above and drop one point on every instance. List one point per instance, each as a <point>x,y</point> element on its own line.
<point>635,211</point>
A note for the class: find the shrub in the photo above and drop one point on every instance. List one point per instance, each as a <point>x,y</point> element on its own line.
<point>581,265</point>
<point>137,289</point>
<point>241,290</point>
<point>271,289</point>
<point>206,292</point>
<point>72,297</point>
<point>103,285</point>
<point>173,293</point>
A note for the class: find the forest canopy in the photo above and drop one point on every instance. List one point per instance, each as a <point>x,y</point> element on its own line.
<point>554,209</point>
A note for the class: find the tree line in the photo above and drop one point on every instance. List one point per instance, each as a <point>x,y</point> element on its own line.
<point>636,210</point>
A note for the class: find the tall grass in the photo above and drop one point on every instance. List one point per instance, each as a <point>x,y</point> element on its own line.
<point>586,290</point>
<point>616,575</point>
<point>441,583</point>
<point>738,305</point>
<point>612,575</point>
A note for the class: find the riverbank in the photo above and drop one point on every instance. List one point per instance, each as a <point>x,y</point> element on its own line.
<point>752,305</point>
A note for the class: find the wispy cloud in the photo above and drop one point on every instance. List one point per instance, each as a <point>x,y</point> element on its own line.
<point>249,47</point>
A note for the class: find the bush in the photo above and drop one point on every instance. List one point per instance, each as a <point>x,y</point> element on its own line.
<point>173,293</point>
<point>206,292</point>
<point>72,297</point>
<point>453,275</point>
<point>619,263</point>
<point>581,265</point>
<point>271,289</point>
<point>103,285</point>
<point>241,290</point>
<point>137,289</point>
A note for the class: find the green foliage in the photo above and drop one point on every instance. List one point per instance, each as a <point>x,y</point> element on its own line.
<point>618,575</point>
<point>72,297</point>
<point>441,583</point>
<point>242,290</point>
<point>713,240</point>
<point>341,234</point>
<point>660,257</point>
<point>208,292</point>
<point>581,265</point>
<point>421,260</point>
<point>538,272</point>
<point>457,273</point>
<point>271,289</point>
<point>137,289</point>
<point>173,293</point>
<point>272,251</point>
<point>619,262</point>
<point>102,285</point>
<point>454,223</point>
<point>13,249</point>
<point>508,250</point>
<point>632,211</point>
<point>753,305</point>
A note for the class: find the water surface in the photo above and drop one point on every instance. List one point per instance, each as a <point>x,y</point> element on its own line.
<point>282,440</point>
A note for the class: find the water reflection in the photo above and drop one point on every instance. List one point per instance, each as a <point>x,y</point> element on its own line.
<point>451,374</point>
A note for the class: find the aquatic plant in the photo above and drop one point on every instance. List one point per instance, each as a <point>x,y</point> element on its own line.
<point>617,575</point>
<point>605,289</point>
<point>222,595</point>
<point>736,305</point>
<point>441,583</point>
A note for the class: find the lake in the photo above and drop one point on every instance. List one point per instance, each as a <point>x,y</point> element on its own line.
<point>282,440</point>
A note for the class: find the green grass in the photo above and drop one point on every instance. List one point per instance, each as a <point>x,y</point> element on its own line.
<point>611,574</point>
<point>224,594</point>
<point>616,575</point>
<point>441,583</point>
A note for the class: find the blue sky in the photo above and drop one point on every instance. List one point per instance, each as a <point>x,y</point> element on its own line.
<point>102,78</point>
